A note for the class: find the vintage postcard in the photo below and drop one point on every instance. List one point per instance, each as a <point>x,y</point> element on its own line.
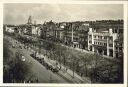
<point>65,43</point>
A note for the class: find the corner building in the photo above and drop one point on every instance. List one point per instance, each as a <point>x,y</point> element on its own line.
<point>102,41</point>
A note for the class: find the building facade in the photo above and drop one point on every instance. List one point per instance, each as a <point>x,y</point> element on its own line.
<point>102,42</point>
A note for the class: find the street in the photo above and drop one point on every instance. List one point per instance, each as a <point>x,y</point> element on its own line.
<point>37,70</point>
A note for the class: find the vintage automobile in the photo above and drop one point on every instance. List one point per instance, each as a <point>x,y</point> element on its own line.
<point>23,58</point>
<point>13,46</point>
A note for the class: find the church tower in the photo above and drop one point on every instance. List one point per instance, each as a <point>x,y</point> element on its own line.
<point>29,20</point>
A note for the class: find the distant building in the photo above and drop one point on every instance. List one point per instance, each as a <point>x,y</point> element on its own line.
<point>34,30</point>
<point>30,28</point>
<point>39,32</point>
<point>59,33</point>
<point>49,30</point>
<point>9,29</point>
<point>102,41</point>
<point>76,34</point>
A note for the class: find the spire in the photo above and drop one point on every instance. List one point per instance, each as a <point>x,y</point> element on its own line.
<point>29,20</point>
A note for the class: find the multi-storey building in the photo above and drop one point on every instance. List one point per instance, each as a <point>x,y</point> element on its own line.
<point>102,41</point>
<point>59,33</point>
<point>48,30</point>
<point>119,46</point>
<point>75,34</point>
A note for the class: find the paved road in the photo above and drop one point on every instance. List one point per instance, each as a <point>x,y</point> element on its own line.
<point>37,70</point>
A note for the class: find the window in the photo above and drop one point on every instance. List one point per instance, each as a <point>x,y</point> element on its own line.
<point>105,37</point>
<point>116,48</point>
<point>105,44</point>
<point>90,36</point>
<point>111,38</point>
<point>120,48</point>
<point>116,43</point>
<point>100,37</point>
<point>110,45</point>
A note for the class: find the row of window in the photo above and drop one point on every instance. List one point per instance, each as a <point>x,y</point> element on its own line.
<point>98,37</point>
<point>118,44</point>
<point>118,48</point>
<point>100,43</point>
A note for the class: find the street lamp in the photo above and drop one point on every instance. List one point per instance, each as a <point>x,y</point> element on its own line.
<point>73,62</point>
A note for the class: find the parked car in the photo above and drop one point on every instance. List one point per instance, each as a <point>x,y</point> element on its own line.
<point>41,60</point>
<point>13,46</point>
<point>20,47</point>
<point>55,70</point>
<point>23,58</point>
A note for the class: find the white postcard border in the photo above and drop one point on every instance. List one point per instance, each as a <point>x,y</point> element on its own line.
<point>125,4</point>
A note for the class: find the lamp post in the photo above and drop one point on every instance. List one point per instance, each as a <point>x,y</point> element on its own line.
<point>73,68</point>
<point>73,63</point>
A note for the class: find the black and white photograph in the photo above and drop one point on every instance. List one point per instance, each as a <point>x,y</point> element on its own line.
<point>63,43</point>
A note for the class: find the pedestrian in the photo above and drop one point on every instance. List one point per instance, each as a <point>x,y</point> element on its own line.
<point>66,69</point>
<point>37,80</point>
<point>81,74</point>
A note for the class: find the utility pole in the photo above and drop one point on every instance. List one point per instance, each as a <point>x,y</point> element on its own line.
<point>73,68</point>
<point>72,34</point>
<point>73,63</point>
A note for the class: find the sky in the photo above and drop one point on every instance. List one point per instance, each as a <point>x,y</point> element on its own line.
<point>17,13</point>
